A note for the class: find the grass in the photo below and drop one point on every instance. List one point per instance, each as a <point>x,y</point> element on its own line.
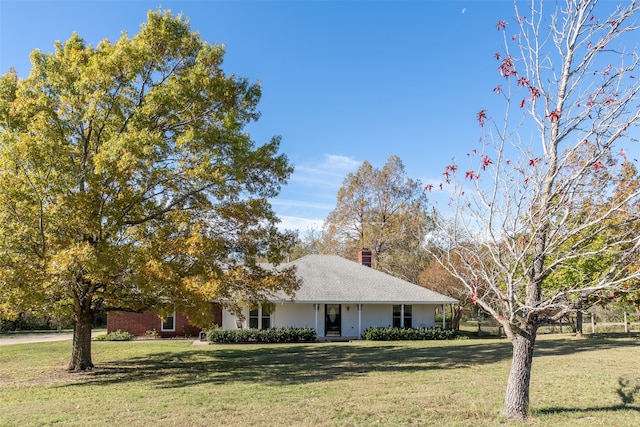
<point>593,381</point>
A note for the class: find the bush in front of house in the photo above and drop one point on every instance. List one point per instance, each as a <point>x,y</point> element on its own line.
<point>408,334</point>
<point>115,336</point>
<point>273,335</point>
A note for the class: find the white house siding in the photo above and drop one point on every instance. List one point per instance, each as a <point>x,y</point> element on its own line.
<point>378,315</point>
<point>229,320</point>
<point>295,315</point>
<point>423,316</point>
<point>303,315</point>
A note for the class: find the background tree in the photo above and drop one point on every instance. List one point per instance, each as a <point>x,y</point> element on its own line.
<point>527,205</point>
<point>438,278</point>
<point>308,244</point>
<point>385,211</point>
<point>128,183</point>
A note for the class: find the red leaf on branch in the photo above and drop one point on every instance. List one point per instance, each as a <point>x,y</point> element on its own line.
<point>481,117</point>
<point>428,187</point>
<point>554,116</point>
<point>498,89</point>
<point>470,175</point>
<point>598,166</point>
<point>535,93</point>
<point>523,102</point>
<point>523,81</point>
<point>623,154</point>
<point>507,67</point>
<point>534,162</point>
<point>501,25</point>
<point>486,161</point>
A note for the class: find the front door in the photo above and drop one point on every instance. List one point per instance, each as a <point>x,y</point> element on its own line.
<point>332,322</point>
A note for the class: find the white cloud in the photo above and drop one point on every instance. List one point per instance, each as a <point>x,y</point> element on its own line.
<point>289,203</point>
<point>330,172</point>
<point>311,192</point>
<point>300,224</point>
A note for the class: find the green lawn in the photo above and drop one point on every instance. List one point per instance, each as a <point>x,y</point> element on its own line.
<point>593,381</point>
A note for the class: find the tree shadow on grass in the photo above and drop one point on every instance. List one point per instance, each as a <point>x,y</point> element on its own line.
<point>308,363</point>
<point>287,364</point>
<point>628,391</point>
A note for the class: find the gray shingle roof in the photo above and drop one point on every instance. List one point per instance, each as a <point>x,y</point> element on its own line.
<point>330,278</point>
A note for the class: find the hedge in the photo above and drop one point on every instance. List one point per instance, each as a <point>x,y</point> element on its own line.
<point>273,335</point>
<point>408,334</point>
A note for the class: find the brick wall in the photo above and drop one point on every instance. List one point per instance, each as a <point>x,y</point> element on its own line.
<point>139,323</point>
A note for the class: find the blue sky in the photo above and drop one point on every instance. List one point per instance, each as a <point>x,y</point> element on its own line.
<point>343,81</point>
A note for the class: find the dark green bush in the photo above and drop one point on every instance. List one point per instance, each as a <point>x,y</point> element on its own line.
<point>274,335</point>
<point>115,336</point>
<point>408,334</point>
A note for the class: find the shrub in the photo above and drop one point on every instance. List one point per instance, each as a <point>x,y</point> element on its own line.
<point>273,335</point>
<point>151,335</point>
<point>115,336</point>
<point>408,334</point>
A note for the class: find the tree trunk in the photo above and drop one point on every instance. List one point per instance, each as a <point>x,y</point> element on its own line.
<point>516,401</point>
<point>456,316</point>
<point>81,352</point>
<point>579,322</point>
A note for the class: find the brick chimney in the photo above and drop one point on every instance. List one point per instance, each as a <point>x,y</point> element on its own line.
<point>364,257</point>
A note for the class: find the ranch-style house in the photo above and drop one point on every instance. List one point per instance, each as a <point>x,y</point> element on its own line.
<point>338,297</point>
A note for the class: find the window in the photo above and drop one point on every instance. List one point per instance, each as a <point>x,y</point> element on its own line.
<point>407,316</point>
<point>260,318</point>
<point>402,316</point>
<point>253,319</point>
<point>266,317</point>
<point>169,323</point>
<point>397,316</point>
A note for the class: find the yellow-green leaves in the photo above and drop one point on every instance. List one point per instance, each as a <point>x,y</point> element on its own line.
<point>127,181</point>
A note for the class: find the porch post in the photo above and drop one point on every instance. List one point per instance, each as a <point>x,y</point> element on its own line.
<point>316,307</point>
<point>359,321</point>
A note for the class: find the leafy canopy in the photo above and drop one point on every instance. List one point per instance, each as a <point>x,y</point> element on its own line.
<point>128,182</point>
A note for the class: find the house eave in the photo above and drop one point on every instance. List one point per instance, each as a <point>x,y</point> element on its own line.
<point>324,301</point>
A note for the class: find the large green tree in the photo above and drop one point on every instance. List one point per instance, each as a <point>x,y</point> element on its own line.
<point>127,181</point>
<point>384,210</point>
<point>536,233</point>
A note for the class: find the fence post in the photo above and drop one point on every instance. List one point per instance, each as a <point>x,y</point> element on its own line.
<point>626,324</point>
<point>593,323</point>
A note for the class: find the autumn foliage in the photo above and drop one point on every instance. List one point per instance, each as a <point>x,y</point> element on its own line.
<point>542,220</point>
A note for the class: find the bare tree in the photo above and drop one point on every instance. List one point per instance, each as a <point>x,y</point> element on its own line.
<point>540,192</point>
